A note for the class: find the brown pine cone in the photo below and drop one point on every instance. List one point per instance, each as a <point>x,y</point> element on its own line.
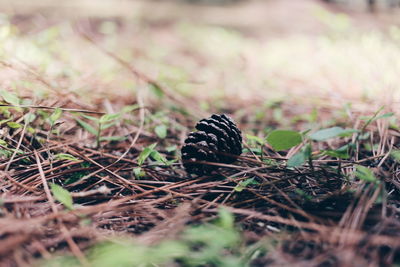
<point>217,140</point>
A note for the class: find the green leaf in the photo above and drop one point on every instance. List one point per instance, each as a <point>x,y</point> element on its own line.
<point>130,108</point>
<point>172,148</point>
<point>226,219</point>
<point>284,139</point>
<point>87,127</point>
<point>139,173</point>
<point>9,97</point>
<point>29,117</point>
<point>243,184</point>
<point>374,118</point>
<point>297,159</point>
<point>62,156</point>
<point>332,132</point>
<point>396,155</point>
<point>62,195</point>
<point>107,125</point>
<point>109,117</point>
<point>92,118</point>
<point>161,131</point>
<point>55,116</point>
<point>158,157</point>
<point>146,153</point>
<point>157,90</point>
<point>364,173</point>
<point>341,152</point>
<point>14,125</point>
<point>3,143</point>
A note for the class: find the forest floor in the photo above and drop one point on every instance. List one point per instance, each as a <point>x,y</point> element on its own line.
<point>97,100</point>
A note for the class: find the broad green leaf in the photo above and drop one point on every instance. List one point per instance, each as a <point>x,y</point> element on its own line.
<point>364,173</point>
<point>55,116</point>
<point>300,157</point>
<point>62,195</point>
<point>9,97</point>
<point>284,139</point>
<point>161,131</point>
<point>297,160</point>
<point>146,153</point>
<point>14,125</point>
<point>87,126</point>
<point>328,133</point>
<point>63,156</point>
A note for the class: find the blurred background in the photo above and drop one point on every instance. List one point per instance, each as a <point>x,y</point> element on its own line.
<point>214,51</point>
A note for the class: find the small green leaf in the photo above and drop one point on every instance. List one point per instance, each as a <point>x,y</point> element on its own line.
<point>161,131</point>
<point>107,125</point>
<point>364,173</point>
<point>396,155</point>
<point>92,118</point>
<point>62,156</point>
<point>9,97</point>
<point>14,125</point>
<point>109,117</point>
<point>172,148</point>
<point>374,118</point>
<point>332,132</point>
<point>146,153</point>
<point>157,90</point>
<point>55,116</point>
<point>28,118</point>
<point>3,143</point>
<point>243,184</point>
<point>158,157</point>
<point>87,127</point>
<point>139,173</point>
<point>62,195</point>
<point>341,153</point>
<point>130,108</point>
<point>284,139</point>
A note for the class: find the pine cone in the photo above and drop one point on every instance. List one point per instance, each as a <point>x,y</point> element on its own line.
<point>217,140</point>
